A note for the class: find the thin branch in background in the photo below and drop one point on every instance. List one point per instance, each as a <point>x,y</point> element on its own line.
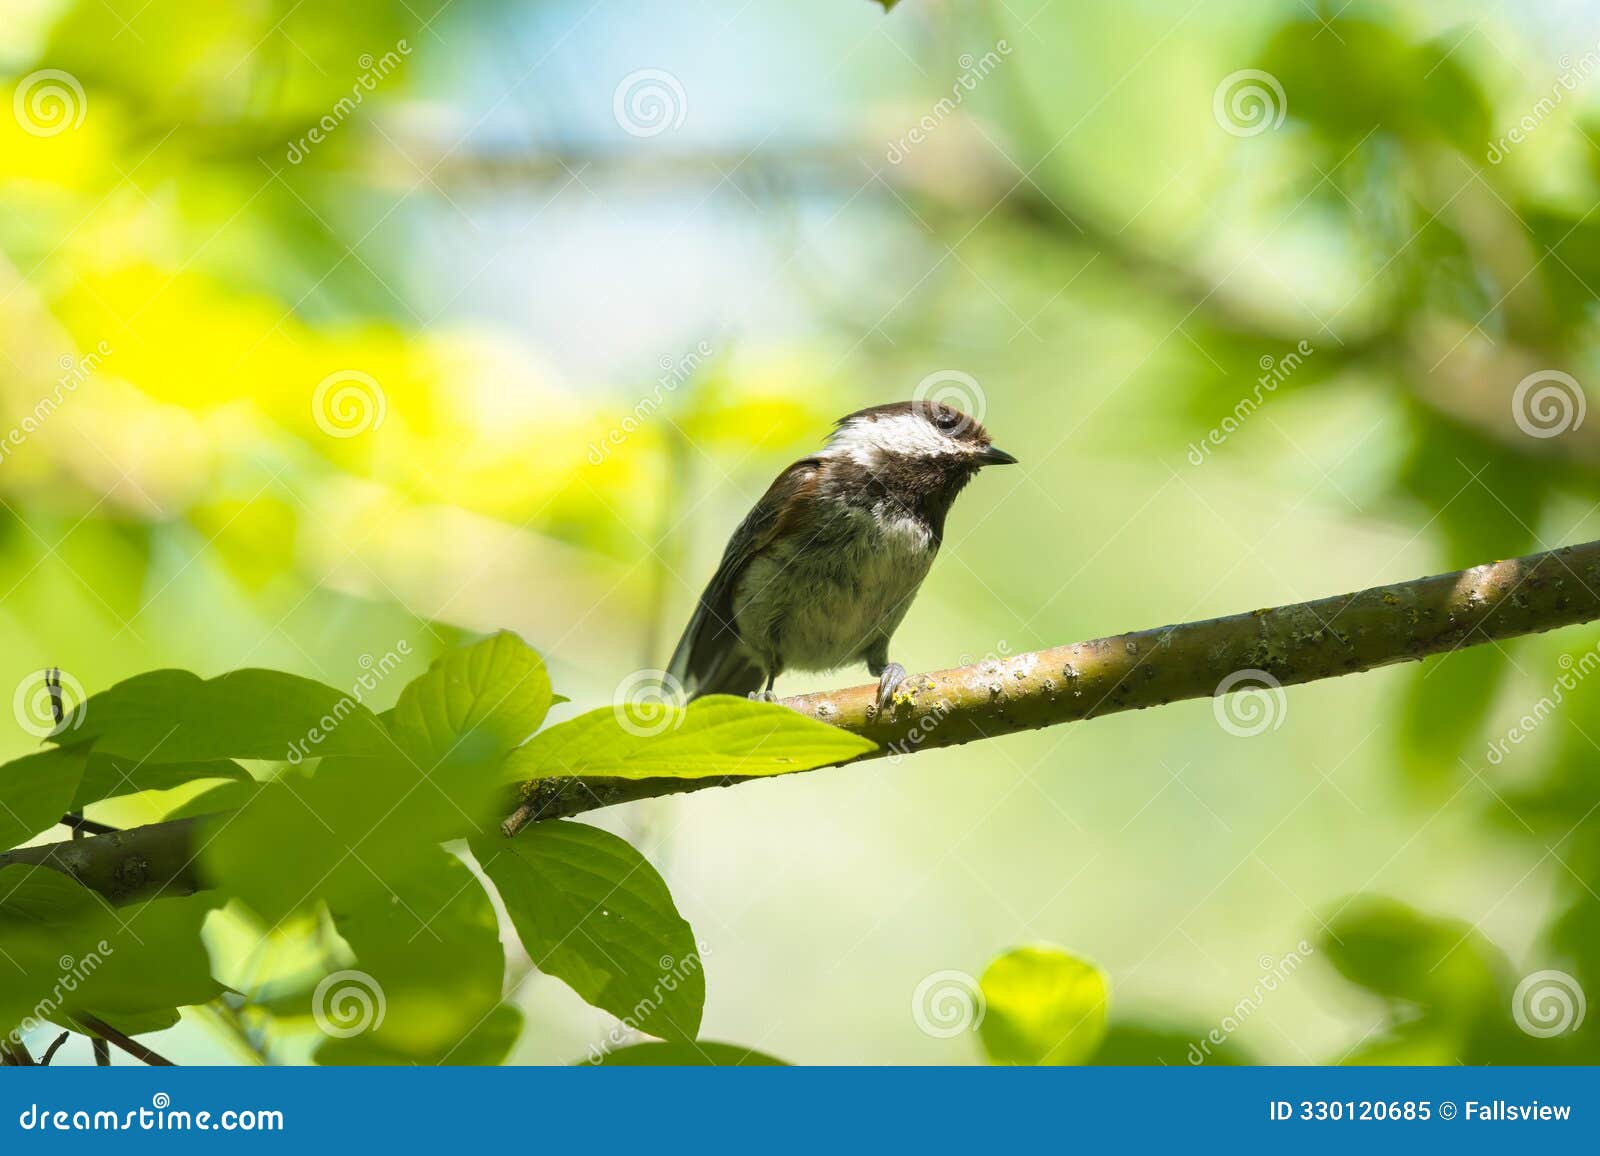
<point>50,1052</point>
<point>52,680</point>
<point>134,1048</point>
<point>81,826</point>
<point>102,1052</point>
<point>73,819</point>
<point>14,1055</point>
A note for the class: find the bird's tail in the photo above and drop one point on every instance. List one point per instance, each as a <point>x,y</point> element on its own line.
<point>735,672</point>
<point>719,665</point>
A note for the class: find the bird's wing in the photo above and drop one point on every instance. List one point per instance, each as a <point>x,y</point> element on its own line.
<point>710,658</point>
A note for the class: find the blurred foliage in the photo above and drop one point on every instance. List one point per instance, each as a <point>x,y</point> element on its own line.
<point>181,270</point>
<point>1457,267</point>
<point>1043,1007</point>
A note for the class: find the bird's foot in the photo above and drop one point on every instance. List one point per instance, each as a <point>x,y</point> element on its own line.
<point>762,696</point>
<point>889,682</point>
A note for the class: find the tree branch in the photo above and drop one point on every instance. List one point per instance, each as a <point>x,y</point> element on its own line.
<point>1404,622</point>
<point>105,1033</point>
<point>125,865</point>
<point>1301,642</point>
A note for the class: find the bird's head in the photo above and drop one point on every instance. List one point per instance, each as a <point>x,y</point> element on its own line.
<point>931,433</point>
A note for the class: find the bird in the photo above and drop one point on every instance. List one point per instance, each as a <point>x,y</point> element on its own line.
<point>823,569</point>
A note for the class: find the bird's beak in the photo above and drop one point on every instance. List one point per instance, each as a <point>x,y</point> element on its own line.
<point>995,456</point>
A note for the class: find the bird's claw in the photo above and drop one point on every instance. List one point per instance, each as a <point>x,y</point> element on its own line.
<point>889,682</point>
<point>762,696</point>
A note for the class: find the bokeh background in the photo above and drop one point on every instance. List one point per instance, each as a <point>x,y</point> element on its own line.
<point>328,328</point>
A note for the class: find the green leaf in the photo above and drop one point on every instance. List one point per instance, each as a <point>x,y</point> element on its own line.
<point>42,898</point>
<point>1351,75</point>
<point>135,1023</point>
<point>228,796</point>
<point>355,826</point>
<point>702,1054</point>
<point>173,716</point>
<point>486,1045</point>
<point>67,952</point>
<point>108,776</point>
<point>30,964</point>
<point>48,923</point>
<point>36,790</point>
<point>717,735</point>
<point>592,911</point>
<point>1137,1044</point>
<point>475,702</point>
<point>1442,965</point>
<point>1442,710</point>
<point>1043,1006</point>
<point>428,973</point>
<point>156,960</point>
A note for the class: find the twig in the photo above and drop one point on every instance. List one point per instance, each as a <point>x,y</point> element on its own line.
<point>50,1052</point>
<point>102,1052</point>
<point>125,866</point>
<point>73,819</point>
<point>133,1047</point>
<point>81,826</point>
<point>14,1054</point>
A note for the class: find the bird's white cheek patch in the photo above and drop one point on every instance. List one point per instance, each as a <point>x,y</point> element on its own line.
<point>866,441</point>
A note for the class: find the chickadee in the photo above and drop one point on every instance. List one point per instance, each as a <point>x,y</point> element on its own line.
<point>821,572</point>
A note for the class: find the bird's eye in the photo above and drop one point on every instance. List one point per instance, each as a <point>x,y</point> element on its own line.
<point>946,420</point>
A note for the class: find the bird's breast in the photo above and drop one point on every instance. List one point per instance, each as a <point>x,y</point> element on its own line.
<point>818,600</point>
